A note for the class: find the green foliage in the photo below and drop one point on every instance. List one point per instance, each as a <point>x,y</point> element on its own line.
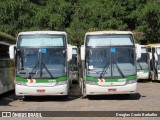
<point>24,15</point>
<point>53,15</point>
<point>149,21</point>
<point>77,17</point>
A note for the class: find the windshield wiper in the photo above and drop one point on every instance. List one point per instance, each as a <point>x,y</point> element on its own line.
<point>31,74</point>
<point>47,70</point>
<point>104,69</point>
<point>119,70</point>
<point>140,66</point>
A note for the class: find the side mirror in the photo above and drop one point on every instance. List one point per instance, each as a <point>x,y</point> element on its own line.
<point>82,52</point>
<point>69,52</point>
<point>138,51</point>
<point>11,51</point>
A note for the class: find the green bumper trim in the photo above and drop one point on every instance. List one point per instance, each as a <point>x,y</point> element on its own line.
<point>88,78</point>
<point>43,80</point>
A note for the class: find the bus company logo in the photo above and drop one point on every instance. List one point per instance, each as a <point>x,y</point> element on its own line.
<point>31,80</point>
<point>21,114</point>
<point>101,80</point>
<point>6,114</point>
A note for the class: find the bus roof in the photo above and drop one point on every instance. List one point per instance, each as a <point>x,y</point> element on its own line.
<point>154,45</point>
<point>42,32</point>
<point>108,32</point>
<point>143,45</point>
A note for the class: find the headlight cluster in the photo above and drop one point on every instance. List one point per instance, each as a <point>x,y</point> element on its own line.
<point>91,83</point>
<point>130,81</point>
<point>20,83</point>
<point>61,82</point>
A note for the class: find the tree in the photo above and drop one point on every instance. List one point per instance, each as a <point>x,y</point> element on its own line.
<point>26,15</point>
<point>149,21</point>
<point>77,17</point>
<point>16,16</point>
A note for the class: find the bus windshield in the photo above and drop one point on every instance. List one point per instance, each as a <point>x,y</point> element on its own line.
<point>109,40</point>
<point>158,52</point>
<point>41,62</point>
<point>142,62</point>
<point>41,40</point>
<point>110,62</point>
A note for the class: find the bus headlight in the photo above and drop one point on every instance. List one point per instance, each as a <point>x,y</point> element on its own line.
<point>131,81</point>
<point>61,82</point>
<point>91,83</point>
<point>20,83</point>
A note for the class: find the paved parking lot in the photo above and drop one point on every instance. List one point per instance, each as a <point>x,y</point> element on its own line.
<point>147,99</point>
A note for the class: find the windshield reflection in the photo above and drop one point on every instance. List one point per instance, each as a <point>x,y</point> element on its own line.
<point>107,62</point>
<point>142,62</point>
<point>41,62</point>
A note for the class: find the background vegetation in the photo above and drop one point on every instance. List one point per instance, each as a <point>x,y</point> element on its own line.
<point>77,17</point>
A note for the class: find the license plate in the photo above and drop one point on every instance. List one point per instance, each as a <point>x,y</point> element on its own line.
<point>112,90</point>
<point>41,90</point>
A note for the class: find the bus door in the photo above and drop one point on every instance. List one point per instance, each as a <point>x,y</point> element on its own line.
<point>154,63</point>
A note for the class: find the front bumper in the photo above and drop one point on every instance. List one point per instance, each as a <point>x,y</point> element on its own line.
<point>21,90</point>
<point>104,90</point>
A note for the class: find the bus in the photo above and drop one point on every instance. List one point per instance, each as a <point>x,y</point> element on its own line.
<point>154,61</point>
<point>108,63</point>
<point>6,64</point>
<point>142,64</point>
<point>41,63</point>
<point>74,64</point>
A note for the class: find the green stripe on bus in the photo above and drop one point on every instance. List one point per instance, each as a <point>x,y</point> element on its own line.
<point>43,80</point>
<point>145,70</point>
<point>112,79</point>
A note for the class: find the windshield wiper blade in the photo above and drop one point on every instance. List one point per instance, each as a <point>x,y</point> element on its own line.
<point>120,71</point>
<point>32,73</point>
<point>47,70</point>
<point>104,70</point>
<point>140,66</point>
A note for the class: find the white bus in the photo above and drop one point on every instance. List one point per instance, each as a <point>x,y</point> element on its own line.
<point>41,63</point>
<point>6,64</point>
<point>154,61</point>
<point>142,64</point>
<point>108,63</point>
